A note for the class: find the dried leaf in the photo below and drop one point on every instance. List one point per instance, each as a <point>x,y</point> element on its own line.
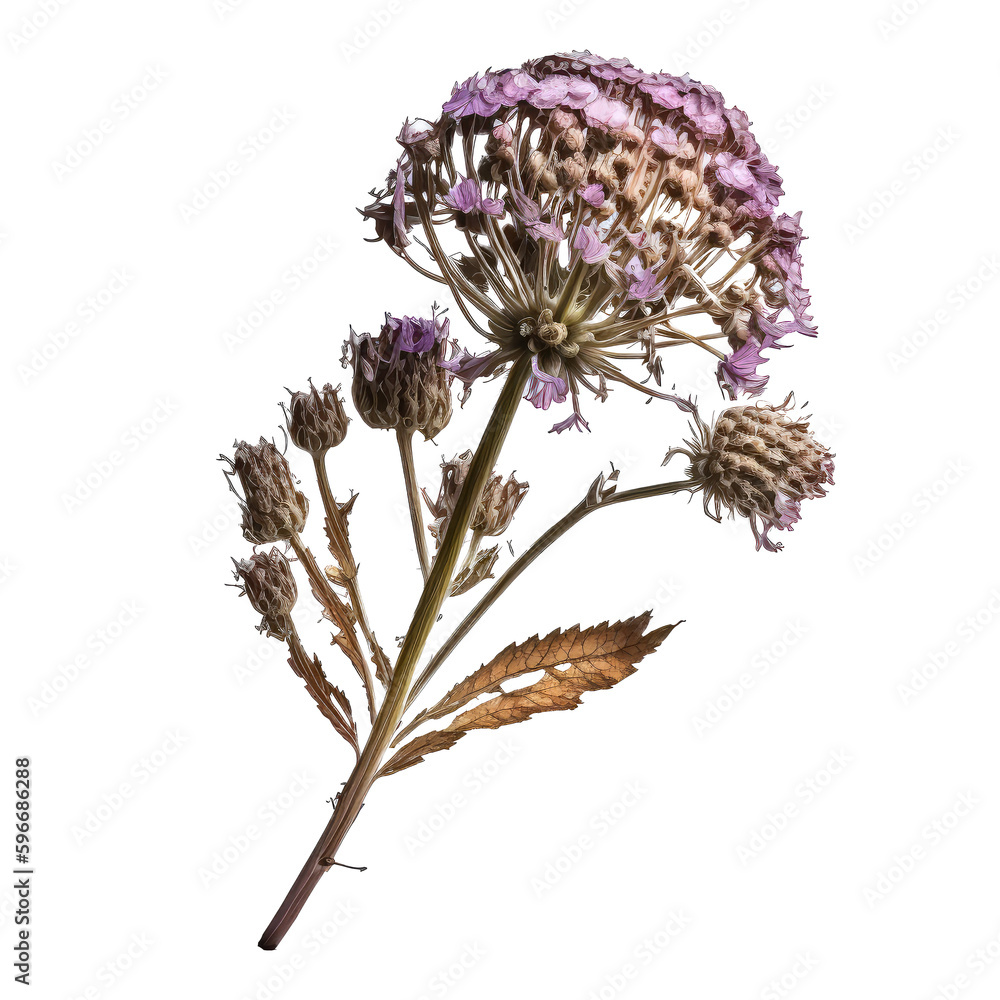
<point>326,695</point>
<point>595,658</point>
<point>414,751</point>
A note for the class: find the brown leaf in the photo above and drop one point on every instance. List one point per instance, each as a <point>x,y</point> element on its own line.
<point>414,751</point>
<point>611,642</point>
<point>596,658</point>
<point>330,699</point>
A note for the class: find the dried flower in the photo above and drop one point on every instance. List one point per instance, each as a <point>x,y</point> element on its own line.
<point>316,419</point>
<point>480,569</point>
<point>759,462</point>
<point>604,210</point>
<point>266,578</point>
<point>500,501</point>
<point>273,509</point>
<point>399,382</point>
<point>497,504</point>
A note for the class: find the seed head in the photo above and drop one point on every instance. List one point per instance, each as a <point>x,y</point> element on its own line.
<point>316,419</point>
<point>266,578</point>
<point>272,507</point>
<point>759,462</point>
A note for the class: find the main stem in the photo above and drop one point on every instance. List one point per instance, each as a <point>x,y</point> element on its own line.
<point>435,591</point>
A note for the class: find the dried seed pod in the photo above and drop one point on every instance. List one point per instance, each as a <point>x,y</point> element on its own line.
<point>273,509</point>
<point>266,579</point>
<point>398,383</point>
<point>759,462</point>
<point>480,569</point>
<point>316,419</point>
<point>497,503</point>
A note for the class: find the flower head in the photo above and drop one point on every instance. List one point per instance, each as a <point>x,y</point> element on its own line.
<point>266,579</point>
<point>624,212</point>
<point>399,382</point>
<point>273,509</point>
<point>759,462</point>
<point>316,419</point>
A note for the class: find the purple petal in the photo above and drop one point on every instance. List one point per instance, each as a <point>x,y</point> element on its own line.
<point>589,243</point>
<point>544,389</point>
<point>573,420</point>
<point>465,196</point>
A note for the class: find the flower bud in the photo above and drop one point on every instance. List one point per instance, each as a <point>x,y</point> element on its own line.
<point>398,382</point>
<point>759,462</point>
<point>273,509</point>
<point>316,420</point>
<point>266,578</point>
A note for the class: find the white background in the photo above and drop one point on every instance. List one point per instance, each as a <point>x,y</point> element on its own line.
<point>860,104</point>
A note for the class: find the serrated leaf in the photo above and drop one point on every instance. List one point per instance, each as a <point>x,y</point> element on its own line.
<point>558,647</point>
<point>416,749</point>
<point>596,658</point>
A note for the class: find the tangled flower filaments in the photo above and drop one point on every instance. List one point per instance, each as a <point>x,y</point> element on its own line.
<point>607,214</point>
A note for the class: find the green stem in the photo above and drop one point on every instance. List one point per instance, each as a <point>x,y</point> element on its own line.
<point>435,591</point>
<point>405,440</point>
